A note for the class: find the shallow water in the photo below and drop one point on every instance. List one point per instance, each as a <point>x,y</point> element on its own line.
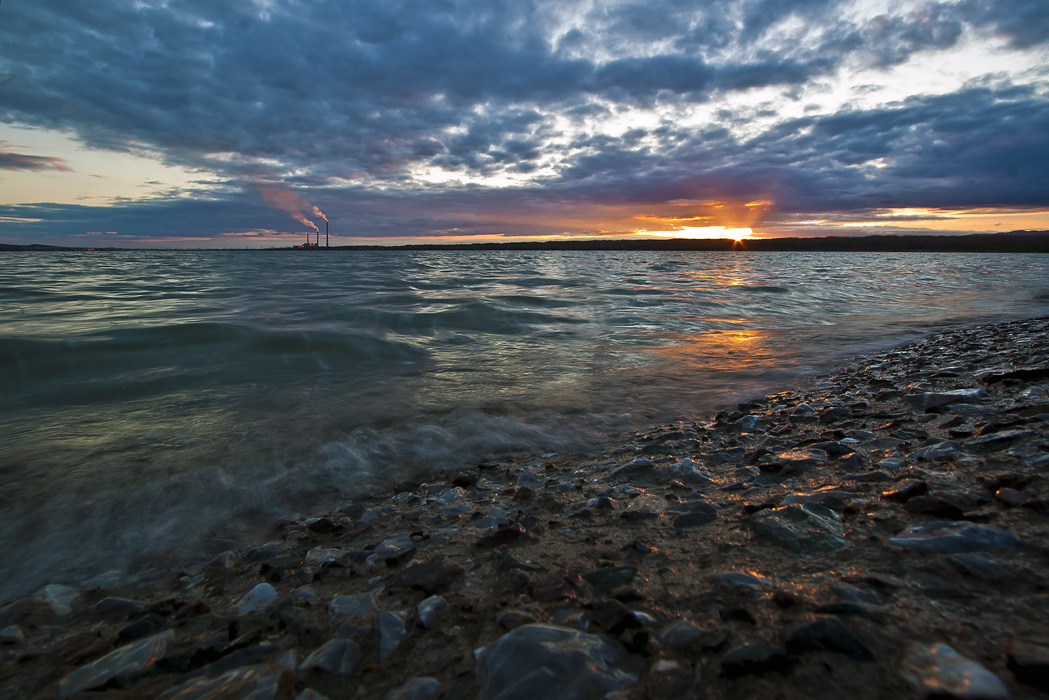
<point>149,400</point>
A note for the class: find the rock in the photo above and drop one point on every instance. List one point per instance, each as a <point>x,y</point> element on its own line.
<point>147,624</point>
<point>984,566</point>
<point>430,577</point>
<point>905,490</point>
<point>310,694</point>
<point>345,606</point>
<point>394,549</point>
<point>641,471</point>
<point>319,556</point>
<point>755,658</point>
<point>869,477</point>
<point>735,579</point>
<point>800,459</point>
<point>338,656</point>
<point>934,506</point>
<point>956,538</point>
<point>129,660</point>
<point>644,507</point>
<point>693,514</point>
<point>679,634</point>
<point>260,682</point>
<point>945,449</point>
<point>415,689</point>
<point>505,536</point>
<point>112,607</point>
<point>59,598</point>
<point>802,529</point>
<point>835,500</point>
<point>946,398</point>
<point>999,440</point>
<point>1012,498</point>
<point>828,634</point>
<point>12,634</point>
<point>322,525</point>
<point>544,661</point>
<point>257,598</point>
<point>1029,660</point>
<point>430,608</point>
<point>939,670</point>
<point>392,631</point>
<point>605,580</point>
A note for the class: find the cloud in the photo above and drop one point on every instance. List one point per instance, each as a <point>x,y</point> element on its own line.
<point>10,160</point>
<point>475,117</point>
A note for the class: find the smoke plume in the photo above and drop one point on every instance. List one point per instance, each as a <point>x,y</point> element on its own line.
<point>286,200</point>
<point>318,212</point>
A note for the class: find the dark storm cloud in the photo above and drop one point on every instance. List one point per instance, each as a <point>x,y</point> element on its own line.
<point>351,98</point>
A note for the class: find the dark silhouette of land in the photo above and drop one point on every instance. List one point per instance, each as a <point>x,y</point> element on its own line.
<point>1011,242</point>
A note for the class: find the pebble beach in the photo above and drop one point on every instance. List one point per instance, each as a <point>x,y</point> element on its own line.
<point>881,532</point>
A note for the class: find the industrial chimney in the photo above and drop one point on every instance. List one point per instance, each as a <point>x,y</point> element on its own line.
<point>325,233</point>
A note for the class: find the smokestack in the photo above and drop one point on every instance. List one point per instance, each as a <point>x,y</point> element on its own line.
<point>325,233</point>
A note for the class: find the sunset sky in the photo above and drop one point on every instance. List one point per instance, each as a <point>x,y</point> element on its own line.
<point>198,123</point>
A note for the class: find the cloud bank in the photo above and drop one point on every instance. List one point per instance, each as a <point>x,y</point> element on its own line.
<point>529,117</point>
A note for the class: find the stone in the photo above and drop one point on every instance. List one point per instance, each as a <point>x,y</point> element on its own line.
<point>803,529</point>
<point>679,634</point>
<point>505,536</point>
<point>113,607</point>
<point>828,634</point>
<point>734,579</point>
<point>12,634</point>
<point>945,398</point>
<point>945,449</point>
<point>999,440</point>
<point>395,548</point>
<point>338,656</point>
<point>319,556</point>
<point>430,609</point>
<point>258,598</point>
<point>258,682</point>
<point>310,694</point>
<point>1029,660</point>
<point>939,670</point>
<point>905,490</point>
<point>644,507</point>
<point>347,606</point>
<point>605,580</point>
<point>392,631</point>
<point>869,477</point>
<point>693,514</point>
<point>835,500</point>
<point>956,538</point>
<point>755,658</point>
<point>800,458</point>
<point>537,661</point>
<point>59,598</point>
<point>934,506</point>
<point>129,660</point>
<point>432,576</point>
<point>415,689</point>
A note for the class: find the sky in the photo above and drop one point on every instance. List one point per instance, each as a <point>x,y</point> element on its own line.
<point>241,123</point>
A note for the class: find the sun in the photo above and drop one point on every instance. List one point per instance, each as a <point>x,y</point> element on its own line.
<point>735,234</point>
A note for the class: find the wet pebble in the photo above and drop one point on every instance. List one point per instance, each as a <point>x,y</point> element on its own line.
<point>552,662</point>
<point>938,670</point>
<point>349,606</point>
<point>803,529</point>
<point>258,598</point>
<point>415,689</point>
<point>338,656</point>
<point>955,538</point>
<point>129,660</point>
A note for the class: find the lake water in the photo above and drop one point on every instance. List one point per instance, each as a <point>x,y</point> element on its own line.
<point>152,400</point>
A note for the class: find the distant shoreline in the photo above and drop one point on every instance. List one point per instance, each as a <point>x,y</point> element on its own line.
<point>1012,242</point>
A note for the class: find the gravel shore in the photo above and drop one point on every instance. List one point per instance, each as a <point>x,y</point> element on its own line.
<point>884,533</point>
